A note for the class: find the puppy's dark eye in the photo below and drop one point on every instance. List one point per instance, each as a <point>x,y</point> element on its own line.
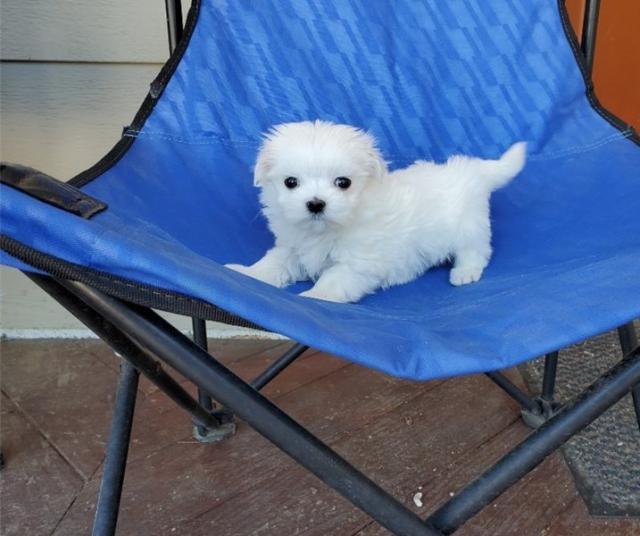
<point>342,182</point>
<point>291,182</point>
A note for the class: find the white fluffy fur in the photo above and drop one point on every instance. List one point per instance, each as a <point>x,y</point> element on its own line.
<point>386,228</point>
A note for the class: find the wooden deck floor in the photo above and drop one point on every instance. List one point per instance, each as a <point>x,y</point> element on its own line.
<point>429,437</point>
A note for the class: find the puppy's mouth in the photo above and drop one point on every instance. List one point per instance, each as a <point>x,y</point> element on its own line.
<point>318,222</point>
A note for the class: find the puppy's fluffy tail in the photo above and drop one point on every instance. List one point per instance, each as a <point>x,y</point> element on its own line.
<point>498,173</point>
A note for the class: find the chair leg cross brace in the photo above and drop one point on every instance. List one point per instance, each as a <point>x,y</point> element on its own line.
<point>222,426</point>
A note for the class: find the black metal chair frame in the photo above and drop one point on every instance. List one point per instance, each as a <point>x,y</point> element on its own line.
<point>143,339</point>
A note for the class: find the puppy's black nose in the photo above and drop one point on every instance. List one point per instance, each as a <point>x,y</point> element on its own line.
<point>316,206</point>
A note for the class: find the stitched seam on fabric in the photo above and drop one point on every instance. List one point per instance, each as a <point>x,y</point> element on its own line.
<point>578,149</point>
<point>209,140</point>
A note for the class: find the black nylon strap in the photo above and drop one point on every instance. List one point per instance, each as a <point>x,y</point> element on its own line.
<point>49,190</point>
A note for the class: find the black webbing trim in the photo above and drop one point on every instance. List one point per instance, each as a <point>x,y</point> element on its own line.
<point>156,89</point>
<point>122,288</point>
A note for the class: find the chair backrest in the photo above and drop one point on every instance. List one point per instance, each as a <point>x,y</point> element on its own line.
<point>428,77</point>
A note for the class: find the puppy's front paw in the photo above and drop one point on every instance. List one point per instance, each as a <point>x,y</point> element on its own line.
<point>272,276</point>
<point>462,275</point>
<point>325,296</point>
<point>241,269</point>
<point>238,268</point>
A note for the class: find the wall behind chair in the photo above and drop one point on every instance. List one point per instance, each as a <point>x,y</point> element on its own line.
<point>73,73</point>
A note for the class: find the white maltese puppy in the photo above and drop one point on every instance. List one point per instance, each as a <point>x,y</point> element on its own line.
<point>342,220</point>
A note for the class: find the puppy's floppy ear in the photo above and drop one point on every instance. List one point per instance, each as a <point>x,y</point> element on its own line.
<point>376,164</point>
<point>263,165</point>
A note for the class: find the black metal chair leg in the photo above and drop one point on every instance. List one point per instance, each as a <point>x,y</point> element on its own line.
<point>201,432</point>
<point>589,30</point>
<point>535,411</point>
<point>200,338</point>
<point>226,426</point>
<point>526,402</point>
<point>628,343</point>
<point>208,435</point>
<point>278,366</point>
<point>628,338</point>
<point>117,449</point>
<point>549,380</point>
<point>635,394</point>
<point>174,22</point>
<point>546,402</point>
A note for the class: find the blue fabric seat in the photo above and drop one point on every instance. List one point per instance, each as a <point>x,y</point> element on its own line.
<point>429,79</point>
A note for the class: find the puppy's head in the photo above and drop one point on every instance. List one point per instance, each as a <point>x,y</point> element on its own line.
<point>316,172</point>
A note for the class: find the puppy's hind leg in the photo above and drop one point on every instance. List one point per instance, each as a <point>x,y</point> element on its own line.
<point>278,267</point>
<point>470,261</point>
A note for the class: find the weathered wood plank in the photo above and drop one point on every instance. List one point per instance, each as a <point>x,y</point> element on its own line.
<point>38,485</point>
<point>66,392</point>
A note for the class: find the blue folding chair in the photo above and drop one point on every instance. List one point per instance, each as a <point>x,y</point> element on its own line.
<point>152,223</point>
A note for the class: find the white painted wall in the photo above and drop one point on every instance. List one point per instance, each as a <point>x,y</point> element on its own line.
<point>84,30</point>
<point>63,117</point>
<point>79,71</point>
